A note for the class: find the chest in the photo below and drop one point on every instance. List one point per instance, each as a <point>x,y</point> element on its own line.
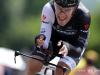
<point>68,30</point>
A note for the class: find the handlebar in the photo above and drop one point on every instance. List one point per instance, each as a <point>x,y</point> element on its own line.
<point>17,53</point>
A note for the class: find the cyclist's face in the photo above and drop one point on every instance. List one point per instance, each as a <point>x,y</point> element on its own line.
<point>63,14</point>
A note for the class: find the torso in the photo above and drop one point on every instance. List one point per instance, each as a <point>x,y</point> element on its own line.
<point>70,32</point>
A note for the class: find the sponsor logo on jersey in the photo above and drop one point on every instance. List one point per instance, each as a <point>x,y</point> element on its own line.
<point>43,18</point>
<point>86,27</point>
<point>68,31</point>
<point>43,30</point>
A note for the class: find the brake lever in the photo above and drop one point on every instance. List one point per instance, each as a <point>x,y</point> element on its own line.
<point>16,54</point>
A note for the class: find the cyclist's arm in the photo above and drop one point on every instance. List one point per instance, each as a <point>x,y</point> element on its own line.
<point>81,42</point>
<point>47,20</point>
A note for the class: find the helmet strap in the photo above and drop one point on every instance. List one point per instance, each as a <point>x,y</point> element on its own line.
<point>75,10</point>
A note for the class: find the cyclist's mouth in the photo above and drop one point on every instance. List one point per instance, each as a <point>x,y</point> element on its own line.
<point>62,16</point>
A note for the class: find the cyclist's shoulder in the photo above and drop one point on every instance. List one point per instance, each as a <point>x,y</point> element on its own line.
<point>83,10</point>
<point>48,12</point>
<point>47,6</point>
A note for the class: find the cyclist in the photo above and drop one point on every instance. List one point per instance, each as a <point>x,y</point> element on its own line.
<point>62,20</point>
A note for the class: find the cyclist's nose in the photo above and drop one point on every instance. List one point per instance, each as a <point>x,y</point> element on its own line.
<point>41,39</point>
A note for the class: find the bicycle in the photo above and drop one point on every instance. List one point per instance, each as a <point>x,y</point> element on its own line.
<point>47,67</point>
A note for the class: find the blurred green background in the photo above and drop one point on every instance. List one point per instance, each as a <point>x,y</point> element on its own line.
<point>20,22</point>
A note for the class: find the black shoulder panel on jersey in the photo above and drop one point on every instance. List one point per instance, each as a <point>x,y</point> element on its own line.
<point>83,16</point>
<point>52,4</point>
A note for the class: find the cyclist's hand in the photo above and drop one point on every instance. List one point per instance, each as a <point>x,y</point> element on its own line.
<point>63,50</point>
<point>39,40</point>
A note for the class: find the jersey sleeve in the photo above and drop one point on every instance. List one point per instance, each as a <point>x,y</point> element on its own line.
<point>84,25</point>
<point>47,19</point>
<point>83,33</point>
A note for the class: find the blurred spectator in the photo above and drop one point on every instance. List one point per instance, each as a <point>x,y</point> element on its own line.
<point>7,64</point>
<point>88,69</point>
<point>1,70</point>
